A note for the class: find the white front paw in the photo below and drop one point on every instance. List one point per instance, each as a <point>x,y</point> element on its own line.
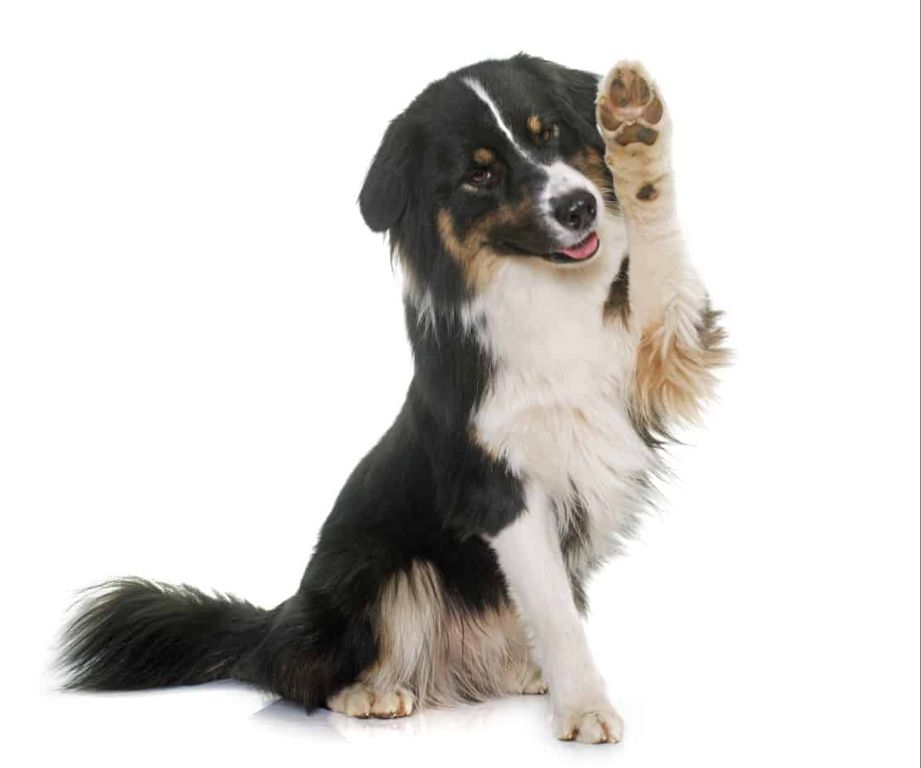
<point>600,725</point>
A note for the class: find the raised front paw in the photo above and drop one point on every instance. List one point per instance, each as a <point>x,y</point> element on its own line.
<point>589,726</point>
<point>630,110</point>
<point>632,120</point>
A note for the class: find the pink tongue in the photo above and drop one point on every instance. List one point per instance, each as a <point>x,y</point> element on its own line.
<point>584,249</point>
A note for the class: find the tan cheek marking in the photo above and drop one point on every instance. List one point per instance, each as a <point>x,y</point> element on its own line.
<point>590,163</point>
<point>674,375</point>
<point>472,252</point>
<point>477,261</point>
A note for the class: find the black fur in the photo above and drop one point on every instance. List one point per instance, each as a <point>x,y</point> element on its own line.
<point>426,150</point>
<point>572,540</point>
<point>426,491</point>
<point>618,303</point>
<point>133,633</point>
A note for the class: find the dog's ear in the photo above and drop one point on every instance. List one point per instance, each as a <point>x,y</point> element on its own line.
<point>386,190</point>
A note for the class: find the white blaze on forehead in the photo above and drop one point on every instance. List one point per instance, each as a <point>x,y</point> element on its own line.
<point>477,87</point>
<point>563,178</point>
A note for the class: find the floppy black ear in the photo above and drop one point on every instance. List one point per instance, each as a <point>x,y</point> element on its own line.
<point>385,192</point>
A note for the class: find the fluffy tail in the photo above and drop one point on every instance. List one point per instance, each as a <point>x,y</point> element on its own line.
<point>131,633</point>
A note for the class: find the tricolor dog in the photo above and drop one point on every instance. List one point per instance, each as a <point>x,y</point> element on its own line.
<point>559,332</point>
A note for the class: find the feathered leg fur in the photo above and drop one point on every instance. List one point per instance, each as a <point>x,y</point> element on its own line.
<point>677,336</point>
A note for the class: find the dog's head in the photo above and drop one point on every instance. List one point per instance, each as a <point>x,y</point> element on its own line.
<point>500,160</point>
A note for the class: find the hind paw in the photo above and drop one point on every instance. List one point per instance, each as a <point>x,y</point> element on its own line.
<point>358,700</point>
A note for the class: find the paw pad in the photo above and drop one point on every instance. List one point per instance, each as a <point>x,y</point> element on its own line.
<point>629,109</point>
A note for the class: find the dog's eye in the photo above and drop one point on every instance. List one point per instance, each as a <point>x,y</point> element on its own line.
<point>479,176</point>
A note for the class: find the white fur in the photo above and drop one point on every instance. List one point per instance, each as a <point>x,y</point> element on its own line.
<point>664,286</point>
<point>563,179</point>
<point>560,178</point>
<point>556,410</point>
<point>477,87</point>
<point>529,555</point>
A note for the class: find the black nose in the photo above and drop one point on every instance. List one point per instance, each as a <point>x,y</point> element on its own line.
<point>575,210</point>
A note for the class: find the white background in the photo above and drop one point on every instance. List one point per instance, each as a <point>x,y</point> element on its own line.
<point>199,339</point>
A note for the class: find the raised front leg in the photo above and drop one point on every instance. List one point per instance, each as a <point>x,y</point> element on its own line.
<point>530,558</point>
<point>679,341</point>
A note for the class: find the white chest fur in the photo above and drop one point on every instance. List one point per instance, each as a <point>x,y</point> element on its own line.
<point>556,408</point>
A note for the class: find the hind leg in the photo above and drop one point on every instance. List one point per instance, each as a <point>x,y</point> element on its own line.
<point>434,649</point>
<point>363,701</point>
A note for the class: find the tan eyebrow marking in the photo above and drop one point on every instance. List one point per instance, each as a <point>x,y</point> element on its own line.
<point>483,156</point>
<point>535,126</point>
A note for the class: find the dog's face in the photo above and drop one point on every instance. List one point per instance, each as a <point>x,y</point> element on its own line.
<point>497,161</point>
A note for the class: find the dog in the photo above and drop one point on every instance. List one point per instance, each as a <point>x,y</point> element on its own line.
<point>559,335</point>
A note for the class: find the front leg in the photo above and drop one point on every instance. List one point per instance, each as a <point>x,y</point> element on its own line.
<point>532,562</point>
<point>679,341</point>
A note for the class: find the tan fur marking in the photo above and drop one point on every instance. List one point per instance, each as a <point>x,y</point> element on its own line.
<point>441,652</point>
<point>535,126</point>
<point>675,375</point>
<point>590,163</point>
<point>483,156</point>
<point>472,252</point>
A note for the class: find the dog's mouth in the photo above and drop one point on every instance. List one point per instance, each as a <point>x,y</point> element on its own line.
<point>582,251</point>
